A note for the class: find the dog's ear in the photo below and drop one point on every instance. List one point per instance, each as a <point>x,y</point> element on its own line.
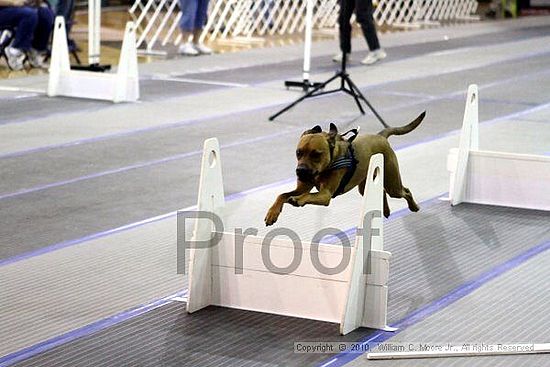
<point>314,130</point>
<point>332,134</point>
<point>333,130</point>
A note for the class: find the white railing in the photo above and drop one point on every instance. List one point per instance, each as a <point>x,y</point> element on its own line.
<point>252,20</point>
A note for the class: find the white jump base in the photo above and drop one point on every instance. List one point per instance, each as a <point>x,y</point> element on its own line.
<point>495,178</point>
<point>349,297</point>
<point>122,86</point>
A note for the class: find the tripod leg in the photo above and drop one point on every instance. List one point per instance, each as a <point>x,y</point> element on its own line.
<point>357,91</point>
<point>352,93</point>
<point>307,95</point>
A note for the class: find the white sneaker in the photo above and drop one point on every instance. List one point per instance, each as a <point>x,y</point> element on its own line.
<point>202,48</point>
<point>374,56</point>
<point>338,57</point>
<point>15,58</point>
<point>37,59</point>
<point>188,49</point>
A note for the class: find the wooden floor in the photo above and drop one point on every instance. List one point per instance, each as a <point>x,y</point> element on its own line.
<point>112,32</point>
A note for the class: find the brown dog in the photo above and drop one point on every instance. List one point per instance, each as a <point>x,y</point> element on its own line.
<point>334,165</point>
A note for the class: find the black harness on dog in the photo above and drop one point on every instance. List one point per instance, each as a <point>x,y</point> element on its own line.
<point>347,161</point>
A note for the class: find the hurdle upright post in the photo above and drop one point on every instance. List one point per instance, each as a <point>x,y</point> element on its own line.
<point>94,31</point>
<point>367,297</point>
<point>211,199</point>
<point>469,140</point>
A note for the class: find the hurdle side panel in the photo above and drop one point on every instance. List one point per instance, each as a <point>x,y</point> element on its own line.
<point>210,200</point>
<point>250,253</point>
<point>507,179</point>
<point>366,296</point>
<point>469,140</point>
<point>120,87</point>
<point>248,284</point>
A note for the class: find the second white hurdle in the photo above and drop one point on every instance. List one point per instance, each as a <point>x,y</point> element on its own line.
<point>495,178</point>
<point>310,287</point>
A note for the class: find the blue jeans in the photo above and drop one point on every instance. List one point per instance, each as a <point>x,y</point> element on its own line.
<point>194,13</point>
<point>33,26</point>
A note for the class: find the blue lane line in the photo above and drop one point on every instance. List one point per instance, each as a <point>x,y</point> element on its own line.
<point>251,141</point>
<point>197,120</point>
<point>44,346</point>
<point>144,164</point>
<point>140,310</point>
<point>439,304</point>
<point>351,232</point>
<point>283,182</point>
<point>64,244</point>
<point>261,138</point>
<point>137,131</point>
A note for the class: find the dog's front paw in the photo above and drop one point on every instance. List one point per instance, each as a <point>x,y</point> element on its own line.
<point>271,216</point>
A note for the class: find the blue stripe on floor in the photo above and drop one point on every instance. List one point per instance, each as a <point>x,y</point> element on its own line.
<point>439,304</point>
<point>33,350</point>
<point>137,311</point>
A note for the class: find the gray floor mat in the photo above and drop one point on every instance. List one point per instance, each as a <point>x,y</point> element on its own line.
<point>134,194</point>
<point>435,251</point>
<point>291,69</point>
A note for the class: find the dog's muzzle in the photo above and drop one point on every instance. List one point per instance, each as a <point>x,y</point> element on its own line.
<point>304,173</point>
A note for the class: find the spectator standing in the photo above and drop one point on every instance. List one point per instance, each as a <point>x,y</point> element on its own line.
<point>363,11</point>
<point>33,24</point>
<point>193,19</point>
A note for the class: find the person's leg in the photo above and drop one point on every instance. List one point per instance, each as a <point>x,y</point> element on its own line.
<point>344,17</point>
<point>43,29</point>
<point>65,9</point>
<point>200,21</point>
<point>363,11</point>
<point>187,23</point>
<point>187,20</point>
<point>24,20</point>
<point>202,15</point>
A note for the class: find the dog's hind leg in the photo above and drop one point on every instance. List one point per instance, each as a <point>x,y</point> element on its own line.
<point>406,194</point>
<point>386,206</point>
<point>393,184</point>
<point>413,206</point>
<point>361,188</point>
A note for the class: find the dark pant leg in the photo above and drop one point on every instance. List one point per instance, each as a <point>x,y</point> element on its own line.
<point>24,20</point>
<point>363,11</point>
<point>346,10</point>
<point>43,29</point>
<point>65,9</point>
<point>202,14</point>
<point>188,13</point>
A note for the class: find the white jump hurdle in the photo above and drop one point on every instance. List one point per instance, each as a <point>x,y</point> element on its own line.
<point>495,178</point>
<point>122,86</point>
<point>350,297</point>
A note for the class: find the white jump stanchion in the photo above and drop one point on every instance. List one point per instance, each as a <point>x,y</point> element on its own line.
<point>211,199</point>
<point>234,272</point>
<point>495,178</point>
<point>305,84</point>
<point>367,292</point>
<point>94,31</point>
<point>469,140</point>
<point>122,86</point>
<point>308,39</point>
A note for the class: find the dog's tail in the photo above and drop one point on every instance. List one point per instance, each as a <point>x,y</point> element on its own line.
<point>401,130</point>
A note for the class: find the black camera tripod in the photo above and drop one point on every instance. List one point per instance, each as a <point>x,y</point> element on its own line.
<point>346,86</point>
